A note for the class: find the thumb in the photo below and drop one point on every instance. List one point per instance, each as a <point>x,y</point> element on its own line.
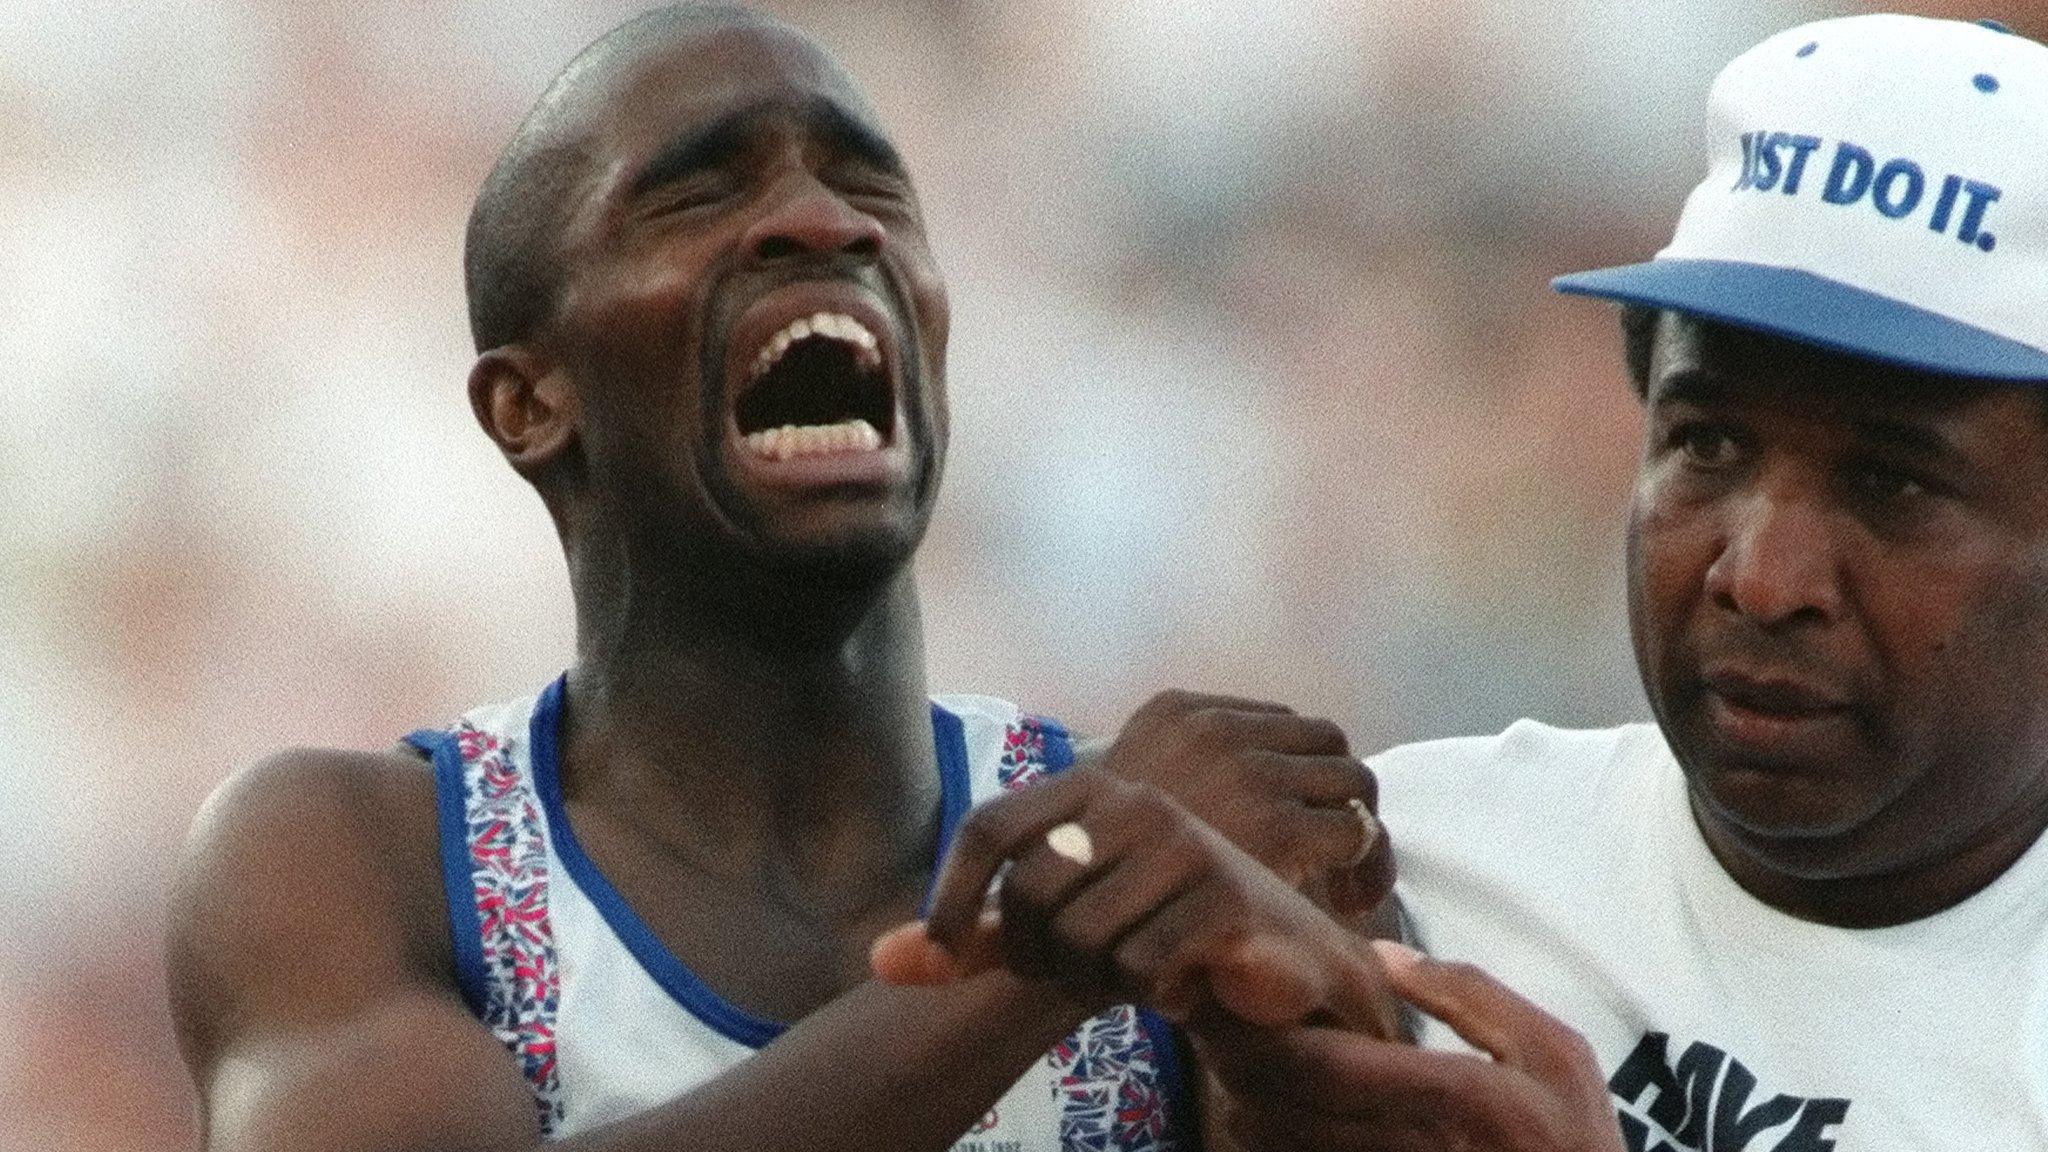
<point>907,956</point>
<point>1486,1013</point>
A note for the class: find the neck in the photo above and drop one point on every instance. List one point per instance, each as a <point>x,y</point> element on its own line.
<point>1877,900</point>
<point>769,725</point>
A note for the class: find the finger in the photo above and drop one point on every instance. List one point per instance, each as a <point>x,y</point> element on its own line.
<point>1276,980</point>
<point>1358,994</point>
<point>1118,900</point>
<point>993,833</point>
<point>1181,700</point>
<point>1317,779</point>
<point>1037,891</point>
<point>1282,982</point>
<point>1368,882</point>
<point>1144,954</point>
<point>1282,731</point>
<point>1114,822</point>
<point>1341,1073</point>
<point>1270,981</point>
<point>1486,1013</point>
<point>1329,841</point>
<point>1177,953</point>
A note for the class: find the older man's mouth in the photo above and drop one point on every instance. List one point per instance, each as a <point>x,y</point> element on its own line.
<point>1776,714</point>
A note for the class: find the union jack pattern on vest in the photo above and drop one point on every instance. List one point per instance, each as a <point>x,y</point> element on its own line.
<point>509,866</point>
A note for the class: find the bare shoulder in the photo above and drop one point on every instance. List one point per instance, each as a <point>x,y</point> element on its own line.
<point>310,881</point>
<point>310,975</point>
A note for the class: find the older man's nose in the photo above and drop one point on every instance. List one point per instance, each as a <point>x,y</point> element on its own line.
<point>1778,565</point>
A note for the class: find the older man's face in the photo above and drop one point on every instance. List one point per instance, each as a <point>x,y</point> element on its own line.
<point>1838,584</point>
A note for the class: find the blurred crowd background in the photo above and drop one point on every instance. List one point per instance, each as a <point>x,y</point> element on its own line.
<point>1257,387</point>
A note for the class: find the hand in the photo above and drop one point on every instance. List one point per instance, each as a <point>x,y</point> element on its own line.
<point>1276,784</point>
<point>1325,1090</point>
<point>1133,899</point>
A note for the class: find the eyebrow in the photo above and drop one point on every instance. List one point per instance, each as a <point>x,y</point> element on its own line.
<point>725,139</point>
<point>1689,385</point>
<point>1700,386</point>
<point>849,135</point>
<point>1909,437</point>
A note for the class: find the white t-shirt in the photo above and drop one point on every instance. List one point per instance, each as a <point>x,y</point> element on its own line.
<point>1568,865</point>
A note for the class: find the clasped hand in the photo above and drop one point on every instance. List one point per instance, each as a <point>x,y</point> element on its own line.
<point>1101,883</point>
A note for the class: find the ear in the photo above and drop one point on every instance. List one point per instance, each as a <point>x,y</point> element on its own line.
<point>525,404</point>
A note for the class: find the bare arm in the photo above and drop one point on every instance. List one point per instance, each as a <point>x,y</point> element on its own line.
<point>317,1012</point>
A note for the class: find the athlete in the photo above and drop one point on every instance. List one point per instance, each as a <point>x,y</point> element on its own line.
<point>1808,908</point>
<point>634,910</point>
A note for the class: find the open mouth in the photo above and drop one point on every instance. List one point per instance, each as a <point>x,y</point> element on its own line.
<point>817,387</point>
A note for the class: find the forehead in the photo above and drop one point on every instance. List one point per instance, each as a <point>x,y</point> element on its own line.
<point>696,76</point>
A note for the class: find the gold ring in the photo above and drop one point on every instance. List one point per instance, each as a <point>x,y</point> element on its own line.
<point>1369,825</point>
<point>1071,841</point>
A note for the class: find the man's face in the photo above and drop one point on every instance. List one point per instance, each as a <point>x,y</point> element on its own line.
<point>1838,587</point>
<point>750,313</point>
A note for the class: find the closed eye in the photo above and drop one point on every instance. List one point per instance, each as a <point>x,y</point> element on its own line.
<point>698,190</point>
<point>866,183</point>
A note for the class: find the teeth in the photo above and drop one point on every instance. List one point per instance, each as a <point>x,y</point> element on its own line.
<point>794,440</point>
<point>832,325</point>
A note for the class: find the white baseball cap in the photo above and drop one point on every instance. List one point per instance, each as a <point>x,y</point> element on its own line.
<point>1877,185</point>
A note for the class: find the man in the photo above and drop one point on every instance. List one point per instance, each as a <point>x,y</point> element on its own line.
<point>634,911</point>
<point>1807,909</point>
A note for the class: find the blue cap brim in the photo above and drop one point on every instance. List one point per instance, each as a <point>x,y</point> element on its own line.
<point>1815,310</point>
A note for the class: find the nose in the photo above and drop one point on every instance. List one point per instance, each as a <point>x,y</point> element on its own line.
<point>809,219</point>
<point>1779,565</point>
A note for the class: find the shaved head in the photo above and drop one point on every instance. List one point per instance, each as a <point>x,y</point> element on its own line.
<point>511,261</point>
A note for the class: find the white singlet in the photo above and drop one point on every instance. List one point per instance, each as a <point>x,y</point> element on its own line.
<point>607,1023</point>
<point>1568,865</point>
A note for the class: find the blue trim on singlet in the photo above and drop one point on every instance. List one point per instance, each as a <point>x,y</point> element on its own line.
<point>956,789</point>
<point>1166,1058</point>
<point>683,986</point>
<point>1059,745</point>
<point>451,807</point>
